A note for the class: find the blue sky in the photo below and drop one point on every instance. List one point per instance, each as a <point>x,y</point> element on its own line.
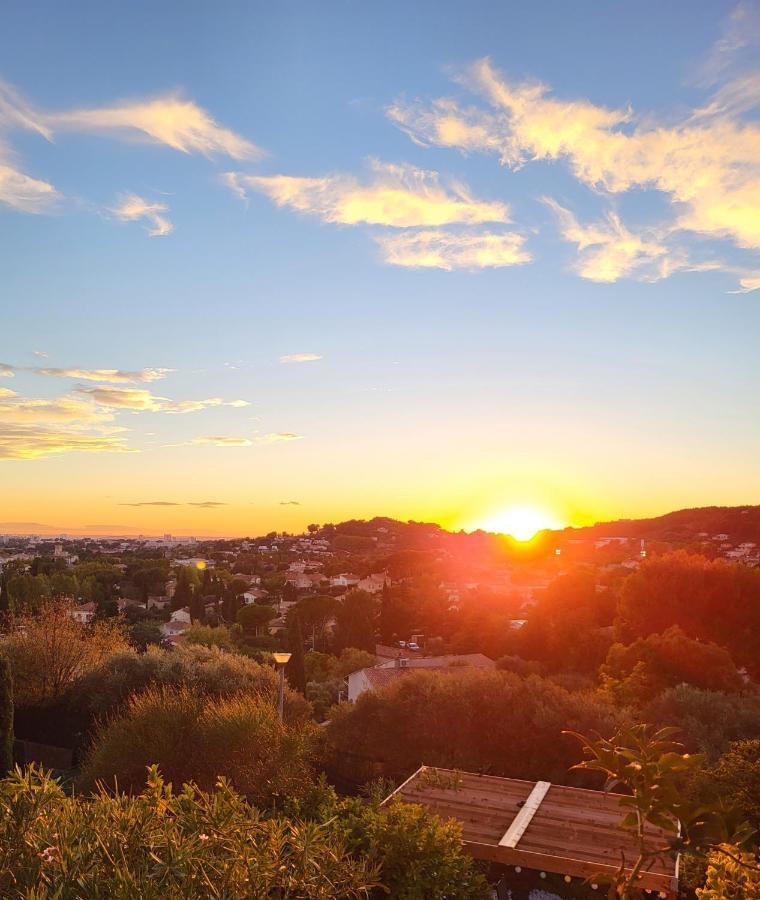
<point>517,294</point>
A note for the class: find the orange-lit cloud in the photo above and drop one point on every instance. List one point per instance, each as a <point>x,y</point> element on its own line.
<point>112,376</point>
<point>132,208</point>
<point>275,437</point>
<point>300,358</point>
<point>450,250</point>
<point>69,409</point>
<point>36,441</point>
<point>217,440</point>
<point>400,196</point>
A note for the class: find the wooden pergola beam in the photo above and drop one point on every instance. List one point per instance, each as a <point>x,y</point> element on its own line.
<point>523,818</point>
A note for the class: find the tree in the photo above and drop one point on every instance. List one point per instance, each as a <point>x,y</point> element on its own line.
<point>195,738</point>
<point>254,618</point>
<point>315,612</point>
<point>144,633</point>
<point>635,674</point>
<point>187,582</point>
<point>49,651</point>
<point>710,600</point>
<point>355,619</point>
<point>481,720</point>
<point>708,721</point>
<point>6,716</point>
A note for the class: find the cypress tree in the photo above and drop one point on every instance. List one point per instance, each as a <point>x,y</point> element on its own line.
<point>295,671</point>
<point>6,716</point>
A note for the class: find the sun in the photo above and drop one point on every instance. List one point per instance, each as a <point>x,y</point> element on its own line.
<point>520,522</point>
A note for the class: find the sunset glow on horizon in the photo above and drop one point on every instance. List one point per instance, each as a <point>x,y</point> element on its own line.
<point>520,522</point>
<point>255,277</point>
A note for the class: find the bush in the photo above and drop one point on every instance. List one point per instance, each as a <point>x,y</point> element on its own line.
<point>479,720</point>
<point>420,856</point>
<point>194,738</point>
<point>206,670</point>
<point>162,845</point>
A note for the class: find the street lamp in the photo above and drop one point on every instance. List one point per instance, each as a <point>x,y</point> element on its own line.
<point>281,660</point>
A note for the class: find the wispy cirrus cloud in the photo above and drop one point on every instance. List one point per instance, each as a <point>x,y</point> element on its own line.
<point>133,208</point>
<point>111,376</point>
<point>608,251</point>
<point>141,400</point>
<point>152,503</point>
<point>290,502</point>
<point>23,192</point>
<point>400,196</point>
<point>203,504</point>
<point>300,358</point>
<point>6,371</point>
<point>706,164</point>
<point>276,437</point>
<point>452,250</point>
<point>169,119</point>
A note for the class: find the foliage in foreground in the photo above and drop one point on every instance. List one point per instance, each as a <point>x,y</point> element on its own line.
<point>731,875</point>
<point>161,845</point>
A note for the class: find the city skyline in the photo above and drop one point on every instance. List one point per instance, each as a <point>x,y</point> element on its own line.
<point>302,264</point>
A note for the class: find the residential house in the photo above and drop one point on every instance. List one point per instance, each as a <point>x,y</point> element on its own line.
<point>344,580</point>
<point>375,677</point>
<point>84,613</point>
<point>373,584</point>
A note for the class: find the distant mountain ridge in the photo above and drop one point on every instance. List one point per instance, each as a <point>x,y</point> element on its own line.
<point>740,523</point>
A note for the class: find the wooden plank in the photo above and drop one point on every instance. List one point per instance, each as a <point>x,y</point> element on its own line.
<point>521,821</point>
<point>562,865</point>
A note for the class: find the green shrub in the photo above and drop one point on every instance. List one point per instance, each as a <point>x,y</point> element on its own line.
<point>192,737</point>
<point>6,716</point>
<point>206,670</point>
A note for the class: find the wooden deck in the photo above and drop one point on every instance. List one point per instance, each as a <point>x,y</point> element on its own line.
<point>550,828</point>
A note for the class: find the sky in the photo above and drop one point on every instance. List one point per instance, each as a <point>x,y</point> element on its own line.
<point>267,264</point>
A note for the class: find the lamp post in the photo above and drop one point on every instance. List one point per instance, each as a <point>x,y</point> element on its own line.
<point>281,660</point>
